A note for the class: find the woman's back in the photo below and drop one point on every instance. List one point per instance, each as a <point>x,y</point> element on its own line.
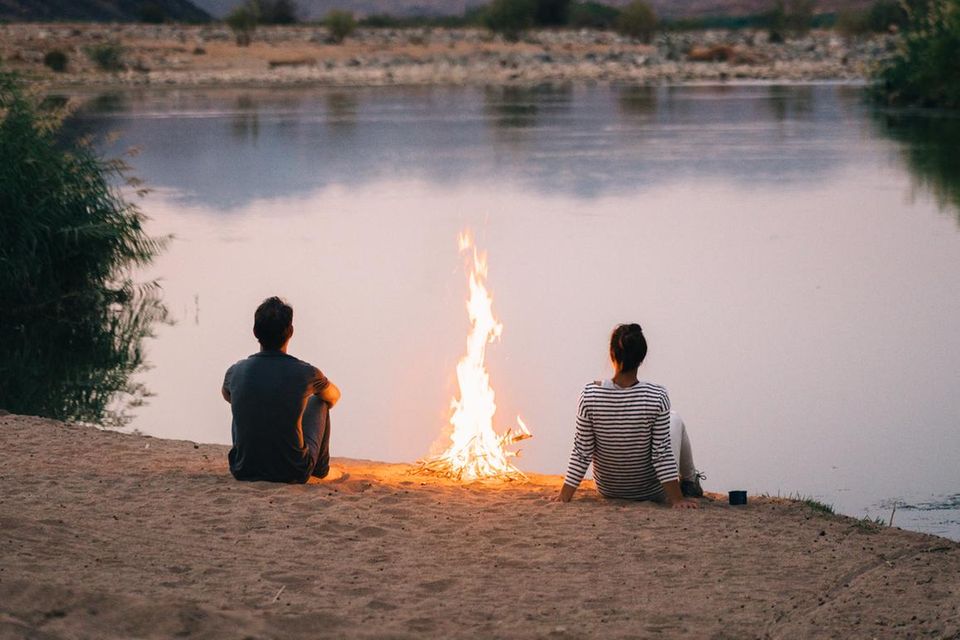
<point>625,432</point>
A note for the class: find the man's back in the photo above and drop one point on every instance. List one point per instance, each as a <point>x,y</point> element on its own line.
<point>268,392</point>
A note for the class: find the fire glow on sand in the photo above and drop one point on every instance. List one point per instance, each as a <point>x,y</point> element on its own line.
<point>476,452</point>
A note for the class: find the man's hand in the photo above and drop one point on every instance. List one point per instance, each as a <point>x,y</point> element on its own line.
<point>686,503</point>
<point>330,394</point>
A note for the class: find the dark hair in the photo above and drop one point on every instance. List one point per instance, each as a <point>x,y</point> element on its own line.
<point>273,323</point>
<point>628,347</point>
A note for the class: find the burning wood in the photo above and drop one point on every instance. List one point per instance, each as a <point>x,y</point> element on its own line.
<point>476,452</point>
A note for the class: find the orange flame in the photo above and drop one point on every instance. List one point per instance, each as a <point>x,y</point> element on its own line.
<point>476,452</point>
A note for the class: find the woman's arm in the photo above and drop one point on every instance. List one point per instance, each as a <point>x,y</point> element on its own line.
<point>675,497</point>
<point>582,454</point>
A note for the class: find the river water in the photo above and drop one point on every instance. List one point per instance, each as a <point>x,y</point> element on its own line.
<point>793,257</point>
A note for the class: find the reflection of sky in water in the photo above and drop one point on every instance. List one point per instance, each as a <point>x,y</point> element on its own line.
<point>799,294</point>
<point>225,149</point>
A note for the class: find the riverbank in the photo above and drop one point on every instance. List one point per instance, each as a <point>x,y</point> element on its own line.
<point>112,535</point>
<point>180,55</point>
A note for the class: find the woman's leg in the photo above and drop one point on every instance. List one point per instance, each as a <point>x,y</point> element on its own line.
<point>680,443</point>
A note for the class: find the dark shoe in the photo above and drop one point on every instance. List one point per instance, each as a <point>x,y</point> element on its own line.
<point>692,488</point>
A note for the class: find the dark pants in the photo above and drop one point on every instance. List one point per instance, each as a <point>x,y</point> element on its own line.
<point>316,435</point>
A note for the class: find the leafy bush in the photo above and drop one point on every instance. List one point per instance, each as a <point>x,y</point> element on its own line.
<point>510,18</point>
<point>56,60</point>
<point>277,11</point>
<point>924,71</point>
<point>73,319</point>
<point>638,21</point>
<point>551,13</point>
<point>107,57</point>
<point>790,17</point>
<point>799,16</point>
<point>340,24</point>
<point>592,15</point>
<point>243,22</point>
<point>853,22</point>
<point>152,13</point>
<point>885,14</point>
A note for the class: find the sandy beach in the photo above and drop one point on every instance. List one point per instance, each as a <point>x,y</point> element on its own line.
<point>110,535</point>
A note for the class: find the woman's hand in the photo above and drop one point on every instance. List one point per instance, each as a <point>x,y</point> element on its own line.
<point>685,503</point>
<point>566,494</point>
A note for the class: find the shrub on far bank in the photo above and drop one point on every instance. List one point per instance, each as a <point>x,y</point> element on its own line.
<point>592,15</point>
<point>56,60</point>
<point>107,56</point>
<point>925,71</point>
<point>637,20</point>
<point>151,13</point>
<point>243,22</point>
<point>510,18</point>
<point>552,13</point>
<point>789,18</point>
<point>340,24</point>
<point>278,11</point>
<point>882,16</point>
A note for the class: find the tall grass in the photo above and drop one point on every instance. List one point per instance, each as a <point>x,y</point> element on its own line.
<point>72,319</point>
<point>925,71</point>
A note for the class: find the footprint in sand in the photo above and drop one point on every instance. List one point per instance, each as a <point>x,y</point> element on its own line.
<point>398,513</point>
<point>372,532</point>
<point>437,586</point>
<point>380,605</point>
<point>421,625</point>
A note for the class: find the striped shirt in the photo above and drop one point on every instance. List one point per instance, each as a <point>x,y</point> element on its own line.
<point>625,433</point>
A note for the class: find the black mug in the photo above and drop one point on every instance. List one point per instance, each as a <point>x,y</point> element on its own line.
<point>738,497</point>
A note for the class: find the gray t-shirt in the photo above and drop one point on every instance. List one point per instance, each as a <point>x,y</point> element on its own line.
<point>268,392</point>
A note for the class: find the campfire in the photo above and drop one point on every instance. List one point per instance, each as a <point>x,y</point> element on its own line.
<point>476,451</point>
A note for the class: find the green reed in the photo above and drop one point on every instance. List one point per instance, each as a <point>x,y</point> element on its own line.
<point>72,319</point>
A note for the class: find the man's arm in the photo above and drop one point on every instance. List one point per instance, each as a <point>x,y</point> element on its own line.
<point>330,394</point>
<point>225,387</point>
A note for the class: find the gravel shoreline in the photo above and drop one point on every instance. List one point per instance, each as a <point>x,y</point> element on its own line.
<point>180,55</point>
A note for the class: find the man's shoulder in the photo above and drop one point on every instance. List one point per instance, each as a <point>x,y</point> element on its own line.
<point>302,363</point>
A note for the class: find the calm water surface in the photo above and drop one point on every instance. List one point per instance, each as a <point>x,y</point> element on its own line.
<point>794,260</point>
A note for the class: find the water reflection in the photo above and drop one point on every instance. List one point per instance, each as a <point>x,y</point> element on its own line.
<point>245,122</point>
<point>76,358</point>
<point>212,147</point>
<point>930,149</point>
<point>342,107</point>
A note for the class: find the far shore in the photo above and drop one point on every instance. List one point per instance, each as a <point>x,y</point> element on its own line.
<point>207,56</point>
<point>111,535</point>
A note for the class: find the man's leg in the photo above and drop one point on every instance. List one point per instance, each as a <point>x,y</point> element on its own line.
<point>316,434</point>
<point>680,443</point>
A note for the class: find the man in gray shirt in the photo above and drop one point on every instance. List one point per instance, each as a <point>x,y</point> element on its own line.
<point>280,405</point>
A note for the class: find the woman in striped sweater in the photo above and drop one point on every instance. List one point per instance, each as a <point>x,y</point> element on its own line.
<point>638,446</point>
